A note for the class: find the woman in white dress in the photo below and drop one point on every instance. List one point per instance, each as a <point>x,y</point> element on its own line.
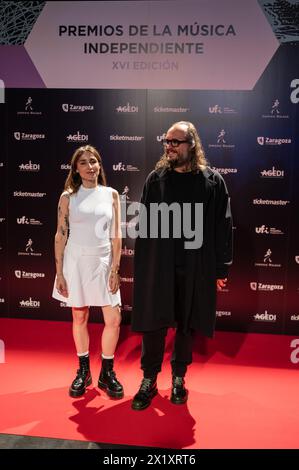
<point>87,256</point>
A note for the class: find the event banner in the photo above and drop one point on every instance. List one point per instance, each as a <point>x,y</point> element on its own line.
<point>116,75</point>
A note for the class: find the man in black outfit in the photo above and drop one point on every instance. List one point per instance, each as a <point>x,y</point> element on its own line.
<point>176,277</point>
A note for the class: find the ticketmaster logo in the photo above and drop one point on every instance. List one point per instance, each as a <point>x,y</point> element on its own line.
<point>161,109</point>
<point>127,138</point>
<point>270,202</point>
<point>28,194</point>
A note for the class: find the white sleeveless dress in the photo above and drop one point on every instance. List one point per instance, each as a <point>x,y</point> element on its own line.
<point>88,251</point>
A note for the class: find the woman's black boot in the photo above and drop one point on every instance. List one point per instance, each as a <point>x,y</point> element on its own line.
<point>108,381</point>
<point>83,378</point>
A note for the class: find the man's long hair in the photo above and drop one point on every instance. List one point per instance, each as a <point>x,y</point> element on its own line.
<point>198,159</point>
<point>73,180</point>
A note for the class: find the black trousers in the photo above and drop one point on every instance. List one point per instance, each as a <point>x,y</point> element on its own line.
<point>153,342</point>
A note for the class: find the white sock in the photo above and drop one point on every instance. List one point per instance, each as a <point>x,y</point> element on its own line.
<point>83,354</point>
<point>107,357</point>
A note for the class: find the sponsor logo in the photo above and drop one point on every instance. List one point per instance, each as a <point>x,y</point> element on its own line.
<point>1,164</point>
<point>126,138</point>
<point>295,353</point>
<point>294,96</point>
<point>29,108</point>
<point>273,173</point>
<point>127,279</point>
<point>272,141</point>
<point>28,194</point>
<point>29,166</point>
<point>127,109</point>
<point>225,171</point>
<point>223,313</point>
<point>122,167</point>
<point>161,109</point>
<point>259,286</point>
<point>65,166</point>
<point>297,259</point>
<point>29,251</point>
<point>269,202</point>
<point>295,318</point>
<point>222,141</point>
<point>161,137</point>
<point>267,261</point>
<point>127,251</point>
<point>74,108</point>
<point>2,219</point>
<point>265,317</point>
<point>77,137</point>
<point>28,221</point>
<point>28,137</point>
<point>30,303</point>
<point>216,109</point>
<point>125,194</point>
<point>24,275</point>
<point>266,230</point>
<point>63,304</point>
<point>275,111</point>
<point>2,300</point>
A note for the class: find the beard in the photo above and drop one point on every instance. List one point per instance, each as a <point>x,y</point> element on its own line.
<point>177,161</point>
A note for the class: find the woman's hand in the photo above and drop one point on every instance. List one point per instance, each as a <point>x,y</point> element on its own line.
<point>221,284</point>
<point>114,281</point>
<point>61,285</point>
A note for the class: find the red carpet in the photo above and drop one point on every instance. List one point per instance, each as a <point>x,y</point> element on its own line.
<point>243,391</point>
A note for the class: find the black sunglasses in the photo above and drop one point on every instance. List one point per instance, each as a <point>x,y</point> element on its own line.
<point>174,142</point>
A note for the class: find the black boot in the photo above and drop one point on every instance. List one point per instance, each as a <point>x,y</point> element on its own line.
<point>108,381</point>
<point>83,378</point>
<point>179,394</point>
<point>145,394</point>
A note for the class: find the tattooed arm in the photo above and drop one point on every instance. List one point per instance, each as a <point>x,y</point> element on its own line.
<point>60,241</point>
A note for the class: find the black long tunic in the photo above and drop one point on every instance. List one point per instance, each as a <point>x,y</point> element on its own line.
<point>154,261</point>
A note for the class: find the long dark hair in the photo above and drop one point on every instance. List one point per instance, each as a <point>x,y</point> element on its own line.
<point>73,180</point>
<point>198,159</point>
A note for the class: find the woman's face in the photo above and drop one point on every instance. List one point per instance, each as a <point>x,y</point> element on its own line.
<point>88,167</point>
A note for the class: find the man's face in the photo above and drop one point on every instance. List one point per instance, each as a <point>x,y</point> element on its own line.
<point>177,156</point>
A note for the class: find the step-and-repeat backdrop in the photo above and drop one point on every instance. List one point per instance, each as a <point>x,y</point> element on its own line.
<point>242,94</point>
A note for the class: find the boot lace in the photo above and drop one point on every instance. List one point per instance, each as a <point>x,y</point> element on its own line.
<point>145,385</point>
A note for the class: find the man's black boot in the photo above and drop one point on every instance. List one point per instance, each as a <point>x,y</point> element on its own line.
<point>83,378</point>
<point>145,394</point>
<point>108,381</point>
<point>179,394</point>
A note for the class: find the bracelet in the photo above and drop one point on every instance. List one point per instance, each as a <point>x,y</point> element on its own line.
<point>113,271</point>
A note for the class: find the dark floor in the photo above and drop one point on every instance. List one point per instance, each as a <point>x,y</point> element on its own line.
<point>13,441</point>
